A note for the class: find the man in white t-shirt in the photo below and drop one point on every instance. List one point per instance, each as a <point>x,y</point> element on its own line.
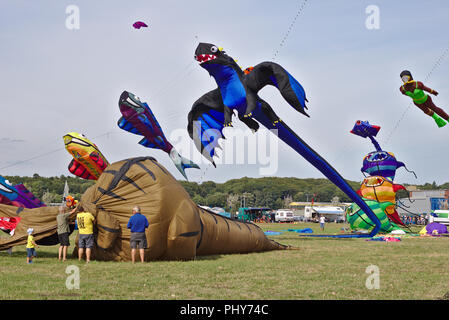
<point>322,220</point>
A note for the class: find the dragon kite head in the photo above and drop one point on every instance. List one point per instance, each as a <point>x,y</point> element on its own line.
<point>206,52</point>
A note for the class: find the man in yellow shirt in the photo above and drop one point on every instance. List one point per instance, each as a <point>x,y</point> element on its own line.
<point>85,222</point>
<point>31,244</point>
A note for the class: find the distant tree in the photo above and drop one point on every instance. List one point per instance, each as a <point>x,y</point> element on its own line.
<point>287,200</point>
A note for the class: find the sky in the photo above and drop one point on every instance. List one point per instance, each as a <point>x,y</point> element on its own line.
<point>56,80</point>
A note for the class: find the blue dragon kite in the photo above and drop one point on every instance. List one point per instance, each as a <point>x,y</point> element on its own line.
<point>237,90</point>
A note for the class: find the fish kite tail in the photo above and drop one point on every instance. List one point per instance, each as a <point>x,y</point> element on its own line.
<point>300,146</point>
<point>182,163</point>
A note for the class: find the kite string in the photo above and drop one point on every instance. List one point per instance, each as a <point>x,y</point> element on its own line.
<point>49,152</point>
<point>183,73</point>
<point>290,28</point>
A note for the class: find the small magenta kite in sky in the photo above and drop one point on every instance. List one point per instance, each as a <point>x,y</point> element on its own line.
<point>139,24</point>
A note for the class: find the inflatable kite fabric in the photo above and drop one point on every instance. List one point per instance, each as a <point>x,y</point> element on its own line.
<point>415,90</point>
<point>139,119</point>
<point>88,162</point>
<point>178,228</point>
<point>434,228</point>
<point>42,220</point>
<point>17,195</point>
<point>9,225</point>
<point>384,191</point>
<point>237,91</point>
<point>358,220</point>
<point>139,24</point>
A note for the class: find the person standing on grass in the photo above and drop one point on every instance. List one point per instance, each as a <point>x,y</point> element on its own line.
<point>63,232</point>
<point>31,244</point>
<point>322,221</point>
<point>138,223</point>
<point>85,222</point>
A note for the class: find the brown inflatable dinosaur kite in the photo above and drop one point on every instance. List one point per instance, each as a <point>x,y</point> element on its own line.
<point>178,228</point>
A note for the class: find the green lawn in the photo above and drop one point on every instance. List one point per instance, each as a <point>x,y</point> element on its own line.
<point>322,268</point>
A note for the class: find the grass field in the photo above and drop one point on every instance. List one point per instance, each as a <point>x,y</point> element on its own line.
<point>322,268</point>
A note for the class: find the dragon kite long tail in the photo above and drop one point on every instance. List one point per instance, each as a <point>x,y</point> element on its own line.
<point>237,90</point>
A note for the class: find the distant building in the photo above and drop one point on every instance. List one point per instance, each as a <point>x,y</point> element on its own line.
<point>422,202</point>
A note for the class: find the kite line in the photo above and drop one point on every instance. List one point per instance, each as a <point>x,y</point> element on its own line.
<point>290,28</point>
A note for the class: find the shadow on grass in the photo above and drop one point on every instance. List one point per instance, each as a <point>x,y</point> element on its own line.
<point>23,254</point>
<point>213,257</point>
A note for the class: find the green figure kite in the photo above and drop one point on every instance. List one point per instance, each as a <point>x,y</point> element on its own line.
<point>415,90</point>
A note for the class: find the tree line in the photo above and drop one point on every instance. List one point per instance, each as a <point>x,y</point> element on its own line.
<point>270,192</point>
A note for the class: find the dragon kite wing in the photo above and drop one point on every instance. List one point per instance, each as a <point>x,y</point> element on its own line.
<point>270,73</point>
<point>206,123</point>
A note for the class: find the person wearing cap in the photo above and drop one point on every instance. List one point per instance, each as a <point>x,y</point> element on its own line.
<point>31,244</point>
<point>138,223</point>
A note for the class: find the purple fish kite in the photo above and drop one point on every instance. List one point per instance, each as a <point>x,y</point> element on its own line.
<point>139,119</point>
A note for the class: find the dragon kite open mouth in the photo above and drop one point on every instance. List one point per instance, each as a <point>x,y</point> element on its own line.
<point>205,57</point>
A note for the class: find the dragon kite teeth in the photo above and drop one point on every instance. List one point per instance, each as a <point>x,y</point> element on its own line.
<point>205,57</point>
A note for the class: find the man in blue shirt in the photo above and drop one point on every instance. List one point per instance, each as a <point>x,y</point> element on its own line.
<point>138,223</point>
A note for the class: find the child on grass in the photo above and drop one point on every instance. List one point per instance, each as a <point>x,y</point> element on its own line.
<point>31,244</point>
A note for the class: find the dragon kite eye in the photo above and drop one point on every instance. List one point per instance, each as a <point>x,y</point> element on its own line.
<point>213,49</point>
<point>195,57</point>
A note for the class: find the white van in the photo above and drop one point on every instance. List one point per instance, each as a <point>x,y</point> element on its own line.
<point>443,217</point>
<point>284,215</point>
